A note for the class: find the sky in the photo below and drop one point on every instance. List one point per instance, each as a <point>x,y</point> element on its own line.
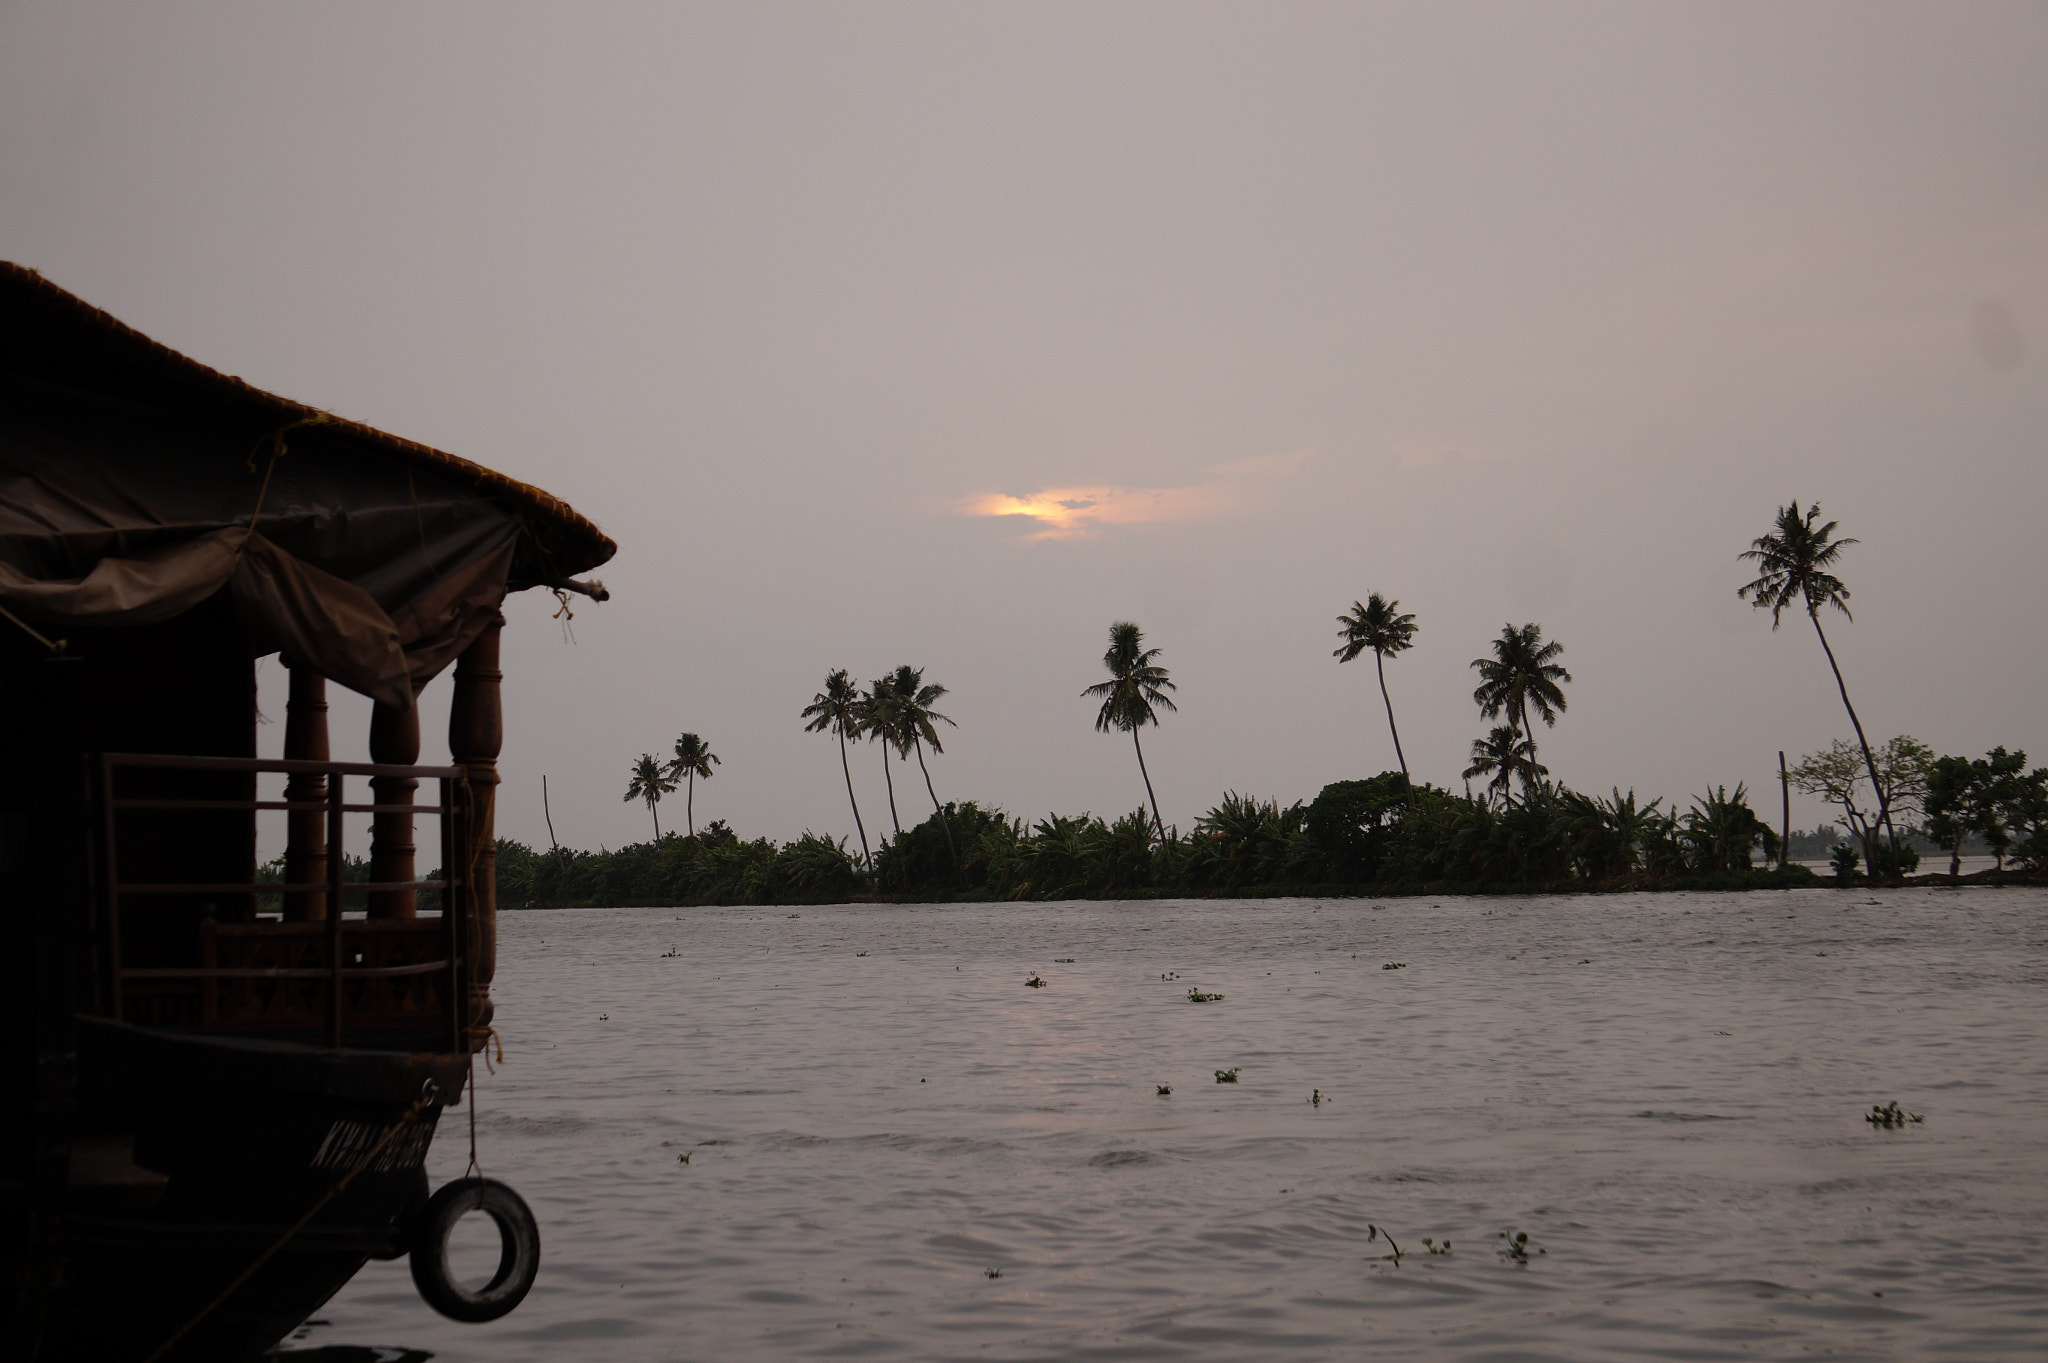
<point>949,334</point>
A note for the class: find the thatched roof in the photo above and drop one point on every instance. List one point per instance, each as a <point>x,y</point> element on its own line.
<point>52,337</point>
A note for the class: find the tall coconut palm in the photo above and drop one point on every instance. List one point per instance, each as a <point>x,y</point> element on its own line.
<point>1505,754</point>
<point>837,708</point>
<point>693,759</point>
<point>1376,624</point>
<point>650,782</point>
<point>1523,671</point>
<point>1794,564</point>
<point>912,700</point>
<point>878,721</point>
<point>1136,685</point>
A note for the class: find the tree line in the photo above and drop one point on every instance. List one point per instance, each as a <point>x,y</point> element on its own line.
<point>1518,829</point>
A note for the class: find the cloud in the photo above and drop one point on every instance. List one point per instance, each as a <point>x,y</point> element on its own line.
<point>1063,512</point>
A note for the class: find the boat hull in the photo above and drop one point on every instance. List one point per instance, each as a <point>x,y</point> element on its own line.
<point>193,1157</point>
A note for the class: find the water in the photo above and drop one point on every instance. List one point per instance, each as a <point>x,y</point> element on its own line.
<point>1666,1092</point>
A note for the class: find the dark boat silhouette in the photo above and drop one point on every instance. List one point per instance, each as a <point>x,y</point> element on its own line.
<point>220,1087</point>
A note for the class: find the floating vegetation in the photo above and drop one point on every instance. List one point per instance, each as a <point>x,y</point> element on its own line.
<point>1035,982</point>
<point>683,1158</point>
<point>1517,1247</point>
<point>1175,974</point>
<point>1891,1115</point>
<point>1395,965</point>
<point>604,1017</point>
<point>670,953</point>
<point>1373,1232</point>
<point>1062,960</point>
<point>1315,1098</point>
<point>1434,1248</point>
<point>991,1273</point>
<point>860,953</point>
<point>1228,1076</point>
<point>1165,1090</point>
<point>1197,996</point>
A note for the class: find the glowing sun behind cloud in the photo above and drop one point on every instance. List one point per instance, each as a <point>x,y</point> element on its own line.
<point>1062,512</point>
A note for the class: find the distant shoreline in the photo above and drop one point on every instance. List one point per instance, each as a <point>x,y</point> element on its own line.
<point>1794,877</point>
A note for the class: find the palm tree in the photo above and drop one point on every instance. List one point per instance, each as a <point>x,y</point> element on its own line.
<point>650,783</point>
<point>1504,754</point>
<point>911,704</point>
<point>693,759</point>
<point>837,708</point>
<point>1375,624</point>
<point>1136,684</point>
<point>1794,563</point>
<point>1522,671</point>
<point>878,720</point>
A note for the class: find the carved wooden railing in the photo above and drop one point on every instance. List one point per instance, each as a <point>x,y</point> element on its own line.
<point>386,977</point>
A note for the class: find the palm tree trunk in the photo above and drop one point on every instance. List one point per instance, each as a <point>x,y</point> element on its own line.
<point>944,827</point>
<point>690,803</point>
<point>866,855</point>
<point>1884,812</point>
<point>891,783</point>
<point>657,819</point>
<point>1379,662</point>
<point>1161,823</point>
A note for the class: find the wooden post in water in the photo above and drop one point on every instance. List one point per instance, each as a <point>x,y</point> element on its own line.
<point>1785,791</point>
<point>476,733</point>
<point>305,740</point>
<point>394,740</point>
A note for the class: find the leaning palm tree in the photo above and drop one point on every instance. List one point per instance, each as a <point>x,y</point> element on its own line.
<point>693,759</point>
<point>912,700</point>
<point>650,783</point>
<point>1376,624</point>
<point>879,719</point>
<point>1505,754</point>
<point>837,708</point>
<point>1136,684</point>
<point>1794,565</point>
<point>1523,671</point>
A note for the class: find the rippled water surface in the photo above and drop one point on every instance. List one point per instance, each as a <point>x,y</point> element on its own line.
<point>897,1150</point>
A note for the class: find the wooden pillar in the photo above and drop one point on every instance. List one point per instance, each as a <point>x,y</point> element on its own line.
<point>476,733</point>
<point>305,740</point>
<point>394,741</point>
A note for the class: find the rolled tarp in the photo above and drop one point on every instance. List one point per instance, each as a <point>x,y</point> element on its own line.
<point>286,604</point>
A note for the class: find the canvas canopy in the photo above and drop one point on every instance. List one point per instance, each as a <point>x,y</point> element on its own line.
<point>135,484</point>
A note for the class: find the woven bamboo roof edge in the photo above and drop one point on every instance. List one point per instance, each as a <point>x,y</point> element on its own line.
<point>597,547</point>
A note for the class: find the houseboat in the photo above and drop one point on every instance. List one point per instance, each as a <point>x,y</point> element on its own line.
<point>221,1080</point>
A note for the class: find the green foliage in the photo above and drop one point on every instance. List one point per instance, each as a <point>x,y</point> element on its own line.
<point>1994,798</point>
<point>1352,825</point>
<point>1843,860</point>
<point>920,860</point>
<point>1722,828</point>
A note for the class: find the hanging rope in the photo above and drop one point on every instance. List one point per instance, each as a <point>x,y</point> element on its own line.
<point>278,450</point>
<point>56,646</point>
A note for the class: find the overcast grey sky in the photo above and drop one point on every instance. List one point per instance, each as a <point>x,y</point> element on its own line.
<point>1511,311</point>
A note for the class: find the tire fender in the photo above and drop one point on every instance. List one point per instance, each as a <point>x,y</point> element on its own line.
<point>518,1250</point>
